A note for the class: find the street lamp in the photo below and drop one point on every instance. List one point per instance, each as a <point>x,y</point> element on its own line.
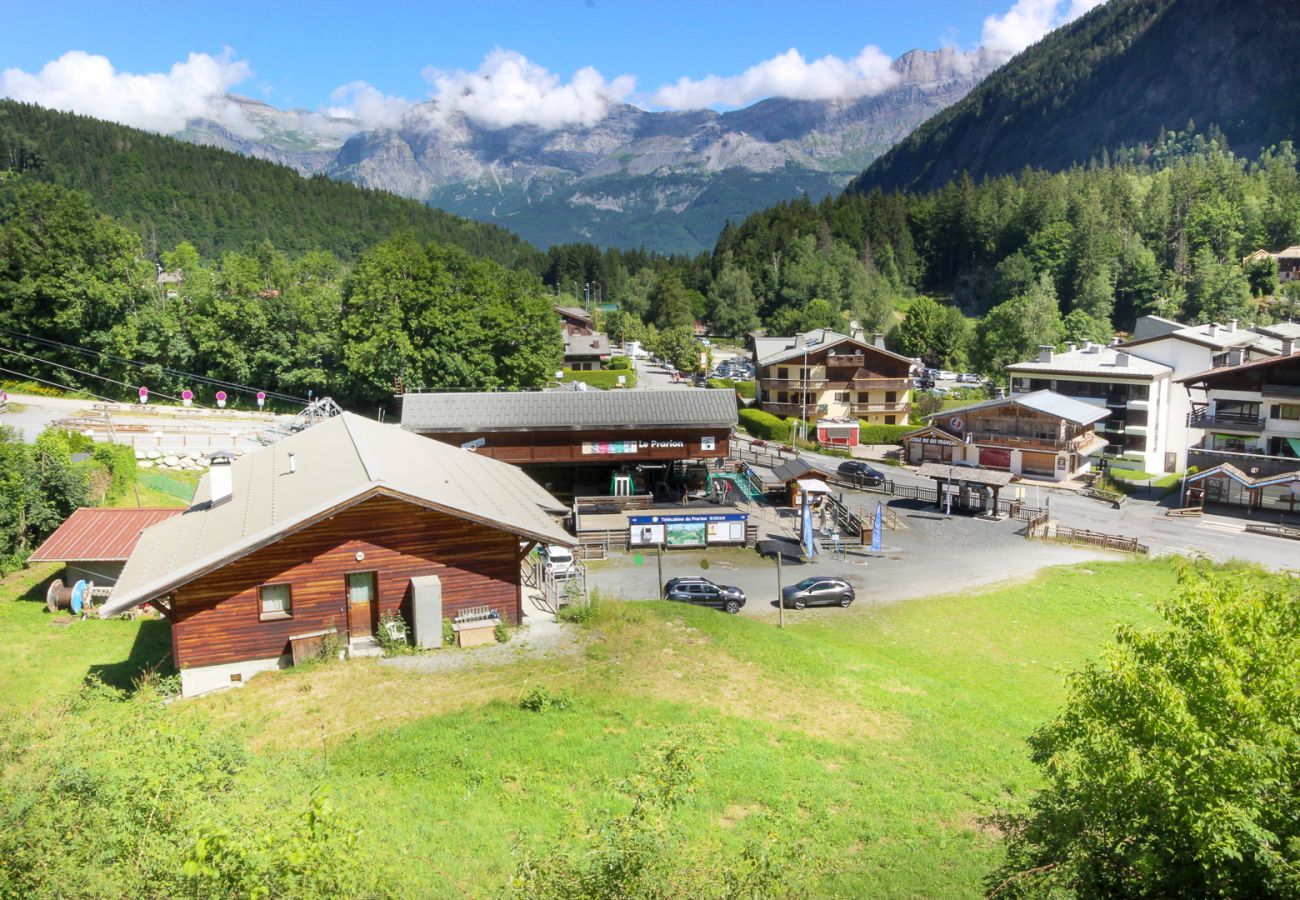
<point>804,394</point>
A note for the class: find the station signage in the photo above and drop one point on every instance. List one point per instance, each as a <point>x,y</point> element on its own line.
<point>600,448</point>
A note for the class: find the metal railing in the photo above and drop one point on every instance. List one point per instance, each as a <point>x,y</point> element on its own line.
<point>1227,422</point>
<point>1254,464</point>
<point>859,409</point>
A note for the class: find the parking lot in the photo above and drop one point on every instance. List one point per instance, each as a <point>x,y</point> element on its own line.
<point>933,554</point>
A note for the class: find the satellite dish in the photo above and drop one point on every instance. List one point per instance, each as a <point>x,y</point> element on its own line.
<point>854,325</point>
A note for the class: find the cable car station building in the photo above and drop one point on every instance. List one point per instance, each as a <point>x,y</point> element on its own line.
<point>585,443</point>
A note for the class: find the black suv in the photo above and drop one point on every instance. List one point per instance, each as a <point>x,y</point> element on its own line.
<point>857,470</point>
<point>703,592</point>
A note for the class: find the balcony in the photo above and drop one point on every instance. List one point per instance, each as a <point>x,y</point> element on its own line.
<point>1026,442</point>
<point>792,384</point>
<point>1245,424</point>
<point>863,409</point>
<point>1253,464</point>
<point>798,410</point>
<point>880,384</point>
<point>846,361</point>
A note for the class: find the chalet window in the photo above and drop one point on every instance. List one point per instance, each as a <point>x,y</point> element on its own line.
<point>783,373</point>
<point>891,396</point>
<point>1286,411</point>
<point>841,396</point>
<point>277,601</point>
<point>889,420</point>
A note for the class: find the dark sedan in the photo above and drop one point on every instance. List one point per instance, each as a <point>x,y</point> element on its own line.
<point>703,592</point>
<point>818,591</point>
<point>858,471</point>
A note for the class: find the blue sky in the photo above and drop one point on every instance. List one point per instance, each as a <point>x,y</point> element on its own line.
<point>301,54</point>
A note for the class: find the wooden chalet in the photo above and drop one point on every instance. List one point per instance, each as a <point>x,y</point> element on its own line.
<point>1041,435</point>
<point>326,532</point>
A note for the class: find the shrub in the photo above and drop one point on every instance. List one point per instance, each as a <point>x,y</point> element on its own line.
<point>539,699</point>
<point>764,425</point>
<point>883,434</point>
<point>448,633</point>
<point>604,379</point>
<point>743,389</point>
<point>501,632</point>
<point>581,613</point>
<point>620,363</point>
<point>391,635</point>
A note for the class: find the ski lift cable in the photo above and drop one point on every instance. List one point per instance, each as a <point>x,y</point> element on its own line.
<point>180,373</point>
<point>52,383</point>
<point>81,372</point>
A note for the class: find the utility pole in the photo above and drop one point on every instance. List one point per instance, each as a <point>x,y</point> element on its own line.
<point>780,601</point>
<point>659,563</point>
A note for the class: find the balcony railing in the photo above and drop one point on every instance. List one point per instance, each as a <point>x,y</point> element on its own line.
<point>1003,439</point>
<point>1253,464</point>
<point>862,409</point>
<point>880,384</point>
<point>794,409</point>
<point>793,384</point>
<point>846,360</point>
<point>1222,422</point>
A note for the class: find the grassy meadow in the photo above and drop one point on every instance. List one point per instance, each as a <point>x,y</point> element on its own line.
<point>877,739</point>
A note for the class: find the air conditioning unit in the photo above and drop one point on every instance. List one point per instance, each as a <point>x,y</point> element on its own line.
<point>426,611</point>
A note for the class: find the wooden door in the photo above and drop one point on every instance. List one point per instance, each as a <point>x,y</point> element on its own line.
<point>363,605</point>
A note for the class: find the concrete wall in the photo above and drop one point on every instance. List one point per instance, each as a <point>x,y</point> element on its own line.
<point>206,679</point>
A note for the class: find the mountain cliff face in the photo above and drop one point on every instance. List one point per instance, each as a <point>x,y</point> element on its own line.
<point>1115,77</point>
<point>664,180</point>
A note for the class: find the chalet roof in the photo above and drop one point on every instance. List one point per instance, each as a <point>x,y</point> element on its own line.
<point>99,535</point>
<point>1095,360</point>
<point>1252,366</point>
<point>1047,402</point>
<point>1242,478</point>
<point>968,474</point>
<point>1281,330</point>
<point>783,349</point>
<point>596,344</point>
<point>339,463</point>
<point>1216,337</point>
<point>573,312</point>
<point>1292,252</point>
<point>791,470</point>
<point>483,412</point>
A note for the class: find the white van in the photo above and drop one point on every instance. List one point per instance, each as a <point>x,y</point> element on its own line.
<point>556,560</point>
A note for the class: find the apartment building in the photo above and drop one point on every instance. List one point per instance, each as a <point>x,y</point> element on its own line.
<point>1133,393</point>
<point>1138,381</point>
<point>823,374</point>
<point>1249,412</point>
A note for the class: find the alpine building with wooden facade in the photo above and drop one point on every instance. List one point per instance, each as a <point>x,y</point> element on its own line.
<point>325,532</point>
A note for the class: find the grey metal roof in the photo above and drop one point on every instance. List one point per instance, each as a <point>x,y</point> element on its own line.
<point>791,469</point>
<point>687,407</point>
<point>338,462</point>
<point>817,340</point>
<point>594,344</point>
<point>1095,360</point>
<point>968,474</point>
<point>1046,402</point>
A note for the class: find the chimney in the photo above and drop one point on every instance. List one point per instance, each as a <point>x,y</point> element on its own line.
<point>1114,342</point>
<point>1288,346</point>
<point>220,476</point>
<point>1232,326</point>
<point>293,463</point>
<point>878,340</point>
<point>1071,347</point>
<point>857,334</point>
<point>1236,356</point>
<point>1213,329</point>
<point>1045,353</point>
<point>1121,359</point>
<point>798,342</point>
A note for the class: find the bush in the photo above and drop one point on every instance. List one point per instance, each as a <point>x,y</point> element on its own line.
<point>743,389</point>
<point>883,434</point>
<point>764,425</point>
<point>581,613</point>
<point>620,363</point>
<point>391,635</point>
<point>604,379</point>
<point>501,632</point>
<point>448,633</point>
<point>539,699</point>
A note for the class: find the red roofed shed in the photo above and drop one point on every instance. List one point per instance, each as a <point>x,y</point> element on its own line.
<point>95,542</point>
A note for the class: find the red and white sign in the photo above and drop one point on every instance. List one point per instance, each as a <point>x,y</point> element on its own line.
<point>187,396</point>
<point>261,399</point>
<point>144,395</point>
<point>221,399</point>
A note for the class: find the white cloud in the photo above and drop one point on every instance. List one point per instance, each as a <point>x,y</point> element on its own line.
<point>1028,20</point>
<point>367,104</point>
<point>82,83</point>
<point>509,89</point>
<point>786,75</point>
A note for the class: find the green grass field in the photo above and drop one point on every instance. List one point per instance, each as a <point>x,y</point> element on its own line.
<point>884,735</point>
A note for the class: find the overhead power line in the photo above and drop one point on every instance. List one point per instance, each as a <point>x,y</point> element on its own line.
<point>81,372</point>
<point>51,383</point>
<point>178,373</point>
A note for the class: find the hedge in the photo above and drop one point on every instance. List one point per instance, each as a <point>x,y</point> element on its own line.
<point>605,379</point>
<point>882,434</point>
<point>743,388</point>
<point>620,362</point>
<point>764,425</point>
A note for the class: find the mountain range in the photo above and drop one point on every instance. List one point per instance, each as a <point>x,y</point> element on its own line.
<point>667,181</point>
<point>1115,78</point>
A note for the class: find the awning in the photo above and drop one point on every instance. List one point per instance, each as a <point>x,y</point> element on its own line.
<point>813,486</point>
<point>1294,444</point>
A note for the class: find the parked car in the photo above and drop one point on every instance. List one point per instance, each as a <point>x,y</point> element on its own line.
<point>818,590</point>
<point>945,375</point>
<point>557,561</point>
<point>702,592</point>
<point>924,384</point>
<point>859,471</point>
<point>969,378</point>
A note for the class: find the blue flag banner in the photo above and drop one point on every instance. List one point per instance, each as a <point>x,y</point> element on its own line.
<point>809,544</point>
<point>877,527</point>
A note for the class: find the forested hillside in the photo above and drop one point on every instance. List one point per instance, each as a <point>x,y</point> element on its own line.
<point>1042,256</point>
<point>81,305</point>
<point>168,191</point>
<point>1110,80</point>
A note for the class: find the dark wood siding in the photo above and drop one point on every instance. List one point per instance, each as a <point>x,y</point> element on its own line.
<point>216,618</point>
<point>565,446</point>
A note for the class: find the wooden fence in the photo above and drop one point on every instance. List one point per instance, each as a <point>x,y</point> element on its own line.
<point>1051,531</point>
